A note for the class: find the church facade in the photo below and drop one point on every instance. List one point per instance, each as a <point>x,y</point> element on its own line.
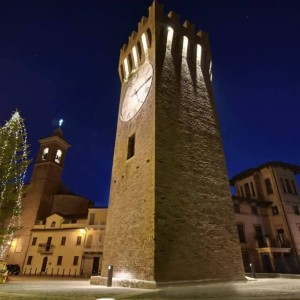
<point>46,199</point>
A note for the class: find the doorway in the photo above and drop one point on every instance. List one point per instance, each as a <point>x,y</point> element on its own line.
<point>95,268</point>
<point>259,236</point>
<point>44,265</point>
<point>267,265</point>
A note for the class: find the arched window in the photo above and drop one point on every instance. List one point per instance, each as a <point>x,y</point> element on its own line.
<point>53,224</point>
<point>122,72</point>
<point>126,68</point>
<point>185,46</point>
<point>130,62</point>
<point>45,153</point>
<point>58,156</point>
<point>139,50</point>
<point>149,36</point>
<point>144,43</point>
<point>135,58</point>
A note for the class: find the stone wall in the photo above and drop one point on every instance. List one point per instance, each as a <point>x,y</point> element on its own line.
<point>195,230</point>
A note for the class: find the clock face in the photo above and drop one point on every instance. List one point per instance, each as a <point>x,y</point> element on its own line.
<point>137,91</point>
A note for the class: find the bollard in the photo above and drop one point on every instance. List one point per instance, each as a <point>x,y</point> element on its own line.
<point>252,270</point>
<point>51,272</point>
<point>29,272</point>
<point>57,272</point>
<point>35,271</point>
<point>75,273</point>
<point>109,275</point>
<point>63,273</point>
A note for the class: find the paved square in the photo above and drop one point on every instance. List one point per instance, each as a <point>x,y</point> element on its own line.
<point>67,289</point>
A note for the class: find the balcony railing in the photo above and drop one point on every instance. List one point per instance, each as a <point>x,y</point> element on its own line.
<point>93,247</point>
<point>46,249</point>
<point>272,243</point>
<point>96,225</point>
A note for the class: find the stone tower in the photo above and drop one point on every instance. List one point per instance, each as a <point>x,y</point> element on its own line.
<point>170,215</point>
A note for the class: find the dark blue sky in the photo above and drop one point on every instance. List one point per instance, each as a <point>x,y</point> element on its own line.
<point>58,59</point>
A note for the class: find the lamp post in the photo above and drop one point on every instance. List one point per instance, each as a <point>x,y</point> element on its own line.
<point>252,270</point>
<point>110,269</point>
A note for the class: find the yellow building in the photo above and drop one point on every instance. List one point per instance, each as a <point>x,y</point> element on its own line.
<point>67,246</point>
<point>93,246</point>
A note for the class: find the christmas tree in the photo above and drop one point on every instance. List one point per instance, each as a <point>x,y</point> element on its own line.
<point>13,165</point>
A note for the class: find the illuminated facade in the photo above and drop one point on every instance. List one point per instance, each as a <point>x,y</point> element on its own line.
<point>267,210</point>
<point>67,246</point>
<point>45,195</point>
<point>170,217</point>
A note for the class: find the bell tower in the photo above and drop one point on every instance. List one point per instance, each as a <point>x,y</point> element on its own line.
<point>170,216</point>
<point>46,175</point>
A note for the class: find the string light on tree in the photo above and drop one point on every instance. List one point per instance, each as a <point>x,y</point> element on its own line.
<point>13,165</point>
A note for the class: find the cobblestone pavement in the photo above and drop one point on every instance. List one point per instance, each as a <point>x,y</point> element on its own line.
<point>66,289</point>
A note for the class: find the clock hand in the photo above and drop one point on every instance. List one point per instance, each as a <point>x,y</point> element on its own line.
<point>133,93</point>
<point>143,84</point>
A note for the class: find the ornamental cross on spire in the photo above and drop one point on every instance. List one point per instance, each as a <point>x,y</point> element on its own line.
<point>60,122</point>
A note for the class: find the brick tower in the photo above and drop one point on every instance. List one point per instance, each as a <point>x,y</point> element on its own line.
<point>170,214</point>
<point>46,175</point>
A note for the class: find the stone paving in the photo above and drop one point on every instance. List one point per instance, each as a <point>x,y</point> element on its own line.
<point>66,289</point>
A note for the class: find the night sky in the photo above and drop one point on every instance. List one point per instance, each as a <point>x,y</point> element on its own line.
<point>59,59</point>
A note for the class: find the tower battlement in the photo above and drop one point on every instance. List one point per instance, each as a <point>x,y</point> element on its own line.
<point>154,26</point>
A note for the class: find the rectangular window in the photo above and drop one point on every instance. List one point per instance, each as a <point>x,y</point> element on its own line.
<point>252,189</point>
<point>63,241</point>
<point>75,260</point>
<point>269,186</point>
<point>78,242</point>
<point>242,192</point>
<point>131,146</point>
<point>254,210</point>
<point>48,244</point>
<point>275,210</point>
<point>34,241</point>
<point>59,260</point>
<point>288,186</point>
<point>236,207</point>
<point>89,241</point>
<point>258,188</point>
<point>281,237</point>
<point>240,228</point>
<point>29,260</point>
<point>296,210</point>
<point>247,190</point>
<point>283,185</point>
<point>294,187</point>
<point>92,219</point>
